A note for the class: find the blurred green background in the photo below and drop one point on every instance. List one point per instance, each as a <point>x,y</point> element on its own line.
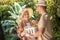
<point>9,14</point>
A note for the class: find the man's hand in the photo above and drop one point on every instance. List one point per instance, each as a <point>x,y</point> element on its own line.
<point>34,22</point>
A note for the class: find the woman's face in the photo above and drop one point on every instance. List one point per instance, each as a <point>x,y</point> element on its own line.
<point>26,16</point>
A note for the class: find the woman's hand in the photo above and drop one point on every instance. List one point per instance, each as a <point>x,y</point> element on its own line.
<point>19,33</point>
<point>29,36</point>
<point>23,33</point>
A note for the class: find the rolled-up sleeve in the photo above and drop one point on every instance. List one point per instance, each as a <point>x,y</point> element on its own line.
<point>41,3</point>
<point>43,21</point>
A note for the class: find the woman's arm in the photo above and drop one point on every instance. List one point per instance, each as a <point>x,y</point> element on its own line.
<point>19,30</point>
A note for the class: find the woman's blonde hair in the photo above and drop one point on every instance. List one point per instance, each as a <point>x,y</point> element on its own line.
<point>29,11</point>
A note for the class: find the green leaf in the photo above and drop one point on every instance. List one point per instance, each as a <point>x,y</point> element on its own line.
<point>18,8</point>
<point>11,29</point>
<point>13,15</point>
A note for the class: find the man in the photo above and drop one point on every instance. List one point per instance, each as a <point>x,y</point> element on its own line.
<point>45,29</point>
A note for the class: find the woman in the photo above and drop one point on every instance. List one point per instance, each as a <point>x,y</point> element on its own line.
<point>25,27</point>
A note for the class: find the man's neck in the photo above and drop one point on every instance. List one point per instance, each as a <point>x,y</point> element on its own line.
<point>44,13</point>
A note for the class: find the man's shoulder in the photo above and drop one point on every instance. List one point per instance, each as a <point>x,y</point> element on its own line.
<point>47,17</point>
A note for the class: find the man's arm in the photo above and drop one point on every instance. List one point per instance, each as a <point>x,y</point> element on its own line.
<point>38,33</point>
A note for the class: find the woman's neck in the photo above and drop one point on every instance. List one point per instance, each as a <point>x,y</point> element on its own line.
<point>26,21</point>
